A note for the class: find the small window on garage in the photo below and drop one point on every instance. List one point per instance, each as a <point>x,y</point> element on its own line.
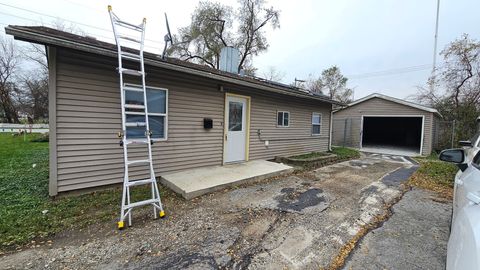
<point>283,119</point>
<point>316,123</point>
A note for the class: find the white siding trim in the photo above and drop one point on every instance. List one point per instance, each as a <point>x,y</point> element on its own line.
<point>392,99</point>
<point>52,119</point>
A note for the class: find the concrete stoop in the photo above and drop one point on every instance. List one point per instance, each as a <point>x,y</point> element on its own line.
<point>199,181</point>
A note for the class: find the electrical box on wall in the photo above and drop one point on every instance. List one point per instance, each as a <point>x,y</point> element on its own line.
<point>207,123</point>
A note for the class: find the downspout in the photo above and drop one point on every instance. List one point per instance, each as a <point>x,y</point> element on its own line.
<point>330,131</point>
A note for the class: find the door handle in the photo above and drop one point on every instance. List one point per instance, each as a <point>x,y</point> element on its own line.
<point>226,136</point>
<point>459,182</point>
<point>473,198</point>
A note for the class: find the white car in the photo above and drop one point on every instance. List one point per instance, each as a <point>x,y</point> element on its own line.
<point>471,146</point>
<point>464,243</point>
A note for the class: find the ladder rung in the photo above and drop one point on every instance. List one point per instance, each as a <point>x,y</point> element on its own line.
<point>130,56</point>
<point>135,113</point>
<point>130,39</point>
<point>131,72</point>
<point>134,106</point>
<point>129,88</point>
<point>140,161</point>
<point>139,182</point>
<point>135,124</point>
<point>136,141</point>
<point>126,24</point>
<point>140,203</point>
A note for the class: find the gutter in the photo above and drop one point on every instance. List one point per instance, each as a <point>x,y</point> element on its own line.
<point>44,39</point>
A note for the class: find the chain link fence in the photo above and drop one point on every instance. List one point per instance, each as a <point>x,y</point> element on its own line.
<point>443,135</point>
<point>346,132</point>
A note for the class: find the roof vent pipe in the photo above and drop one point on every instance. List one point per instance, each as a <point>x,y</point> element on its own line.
<point>229,59</point>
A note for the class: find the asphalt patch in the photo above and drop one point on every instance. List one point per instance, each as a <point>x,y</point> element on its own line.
<point>291,200</point>
<point>182,261</point>
<point>399,176</point>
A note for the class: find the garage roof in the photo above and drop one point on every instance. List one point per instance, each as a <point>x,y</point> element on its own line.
<point>396,100</point>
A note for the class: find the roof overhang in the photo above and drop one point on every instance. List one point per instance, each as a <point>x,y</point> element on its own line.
<point>24,34</point>
<point>392,99</point>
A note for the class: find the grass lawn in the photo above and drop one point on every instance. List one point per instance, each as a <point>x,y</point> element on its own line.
<point>344,152</point>
<point>435,175</point>
<point>26,210</point>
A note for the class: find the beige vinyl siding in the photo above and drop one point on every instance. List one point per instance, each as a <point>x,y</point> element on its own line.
<point>378,106</point>
<point>295,139</point>
<point>88,117</point>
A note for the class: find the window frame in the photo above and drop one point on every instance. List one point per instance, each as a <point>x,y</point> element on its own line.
<point>315,124</point>
<point>133,87</point>
<point>283,119</point>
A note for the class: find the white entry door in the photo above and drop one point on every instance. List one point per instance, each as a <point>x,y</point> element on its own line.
<point>236,129</point>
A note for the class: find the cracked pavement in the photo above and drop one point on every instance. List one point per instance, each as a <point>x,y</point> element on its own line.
<point>297,221</point>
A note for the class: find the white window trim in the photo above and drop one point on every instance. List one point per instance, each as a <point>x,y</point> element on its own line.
<point>283,117</point>
<point>139,88</point>
<point>315,124</point>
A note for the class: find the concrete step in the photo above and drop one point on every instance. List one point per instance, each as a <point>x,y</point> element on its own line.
<point>199,181</point>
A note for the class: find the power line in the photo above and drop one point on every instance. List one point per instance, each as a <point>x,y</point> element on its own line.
<point>40,22</point>
<point>67,20</point>
<point>390,71</point>
<point>85,6</point>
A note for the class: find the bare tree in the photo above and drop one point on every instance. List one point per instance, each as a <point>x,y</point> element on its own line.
<point>459,78</point>
<point>32,94</point>
<point>252,18</point>
<point>456,87</point>
<point>211,30</point>
<point>9,61</point>
<point>273,74</point>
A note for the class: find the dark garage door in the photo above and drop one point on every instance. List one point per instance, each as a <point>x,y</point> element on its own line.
<point>398,133</point>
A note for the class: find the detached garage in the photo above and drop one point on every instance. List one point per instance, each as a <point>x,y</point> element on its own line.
<point>382,124</point>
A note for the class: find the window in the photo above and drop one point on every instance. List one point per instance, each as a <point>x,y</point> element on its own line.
<point>283,119</point>
<point>157,105</point>
<point>476,161</point>
<point>235,116</point>
<point>316,123</point>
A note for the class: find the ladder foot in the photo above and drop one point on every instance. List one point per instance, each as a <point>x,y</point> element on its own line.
<point>120,225</point>
<point>162,214</point>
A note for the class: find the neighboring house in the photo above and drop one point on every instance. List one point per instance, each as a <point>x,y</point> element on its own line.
<point>84,104</point>
<point>379,123</point>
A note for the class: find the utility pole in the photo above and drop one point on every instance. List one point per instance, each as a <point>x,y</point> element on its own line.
<point>298,80</point>
<point>434,67</point>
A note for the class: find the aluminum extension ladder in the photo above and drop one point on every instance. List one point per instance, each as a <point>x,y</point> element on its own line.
<point>134,109</point>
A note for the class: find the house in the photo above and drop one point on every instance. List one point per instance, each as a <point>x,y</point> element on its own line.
<point>206,116</point>
<point>384,124</point>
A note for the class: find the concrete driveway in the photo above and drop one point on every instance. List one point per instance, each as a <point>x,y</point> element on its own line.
<point>293,222</point>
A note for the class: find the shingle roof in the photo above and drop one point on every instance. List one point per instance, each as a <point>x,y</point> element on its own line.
<point>49,36</point>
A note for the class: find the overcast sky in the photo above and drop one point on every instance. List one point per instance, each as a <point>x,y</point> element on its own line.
<point>376,43</point>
